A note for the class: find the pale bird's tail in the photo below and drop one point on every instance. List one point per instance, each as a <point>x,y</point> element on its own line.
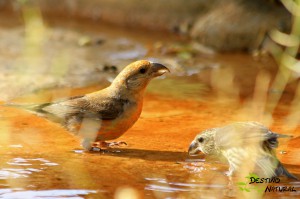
<point>282,171</point>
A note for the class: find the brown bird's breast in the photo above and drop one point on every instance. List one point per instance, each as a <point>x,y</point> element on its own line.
<point>112,129</point>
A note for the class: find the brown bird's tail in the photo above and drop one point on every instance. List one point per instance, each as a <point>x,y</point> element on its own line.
<point>38,110</point>
<point>282,171</point>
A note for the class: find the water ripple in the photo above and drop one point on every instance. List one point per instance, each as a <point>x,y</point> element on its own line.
<point>45,194</point>
<point>162,185</point>
<point>23,168</point>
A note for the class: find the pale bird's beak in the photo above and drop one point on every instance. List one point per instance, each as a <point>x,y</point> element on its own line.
<point>158,69</point>
<point>193,149</point>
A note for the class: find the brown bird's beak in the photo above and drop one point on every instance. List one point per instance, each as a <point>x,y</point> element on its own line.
<point>158,69</point>
<point>193,149</point>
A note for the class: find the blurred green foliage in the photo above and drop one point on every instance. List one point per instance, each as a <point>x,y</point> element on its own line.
<point>285,52</point>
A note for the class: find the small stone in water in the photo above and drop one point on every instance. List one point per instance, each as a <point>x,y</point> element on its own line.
<point>84,41</point>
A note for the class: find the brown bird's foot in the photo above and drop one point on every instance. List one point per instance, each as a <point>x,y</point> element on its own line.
<point>112,144</point>
<point>95,149</point>
<point>98,146</point>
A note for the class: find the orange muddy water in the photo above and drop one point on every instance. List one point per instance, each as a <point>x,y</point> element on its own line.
<point>40,159</point>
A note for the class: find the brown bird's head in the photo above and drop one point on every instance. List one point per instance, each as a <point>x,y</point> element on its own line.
<point>137,75</point>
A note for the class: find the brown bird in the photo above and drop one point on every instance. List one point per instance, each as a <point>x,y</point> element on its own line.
<point>108,113</point>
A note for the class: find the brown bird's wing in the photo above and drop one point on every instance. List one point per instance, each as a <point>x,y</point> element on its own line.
<point>105,108</point>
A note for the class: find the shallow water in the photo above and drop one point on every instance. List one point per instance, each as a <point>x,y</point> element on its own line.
<point>40,159</point>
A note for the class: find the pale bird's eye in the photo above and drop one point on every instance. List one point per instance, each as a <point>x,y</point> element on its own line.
<point>143,70</point>
<point>201,139</point>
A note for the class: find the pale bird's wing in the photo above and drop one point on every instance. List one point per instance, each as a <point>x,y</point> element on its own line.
<point>242,134</point>
<point>250,145</point>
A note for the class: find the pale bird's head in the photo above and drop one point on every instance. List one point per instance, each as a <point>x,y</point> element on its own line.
<point>137,75</point>
<point>203,142</point>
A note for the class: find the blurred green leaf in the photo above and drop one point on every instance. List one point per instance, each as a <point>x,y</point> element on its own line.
<point>284,39</point>
<point>178,88</point>
<point>252,175</point>
<point>292,6</point>
<point>22,1</point>
<point>185,55</point>
<point>260,190</point>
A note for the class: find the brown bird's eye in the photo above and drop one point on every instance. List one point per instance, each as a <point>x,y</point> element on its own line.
<point>201,139</point>
<point>142,70</point>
